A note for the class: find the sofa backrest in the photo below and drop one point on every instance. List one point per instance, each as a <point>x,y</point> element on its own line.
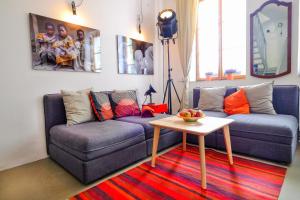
<point>54,111</point>
<point>285,98</point>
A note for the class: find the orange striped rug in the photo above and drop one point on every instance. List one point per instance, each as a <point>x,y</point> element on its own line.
<point>177,176</point>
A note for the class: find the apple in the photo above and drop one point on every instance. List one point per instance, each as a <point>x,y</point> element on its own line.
<point>197,114</point>
<point>185,114</point>
<point>182,113</point>
<point>201,113</point>
<point>191,111</point>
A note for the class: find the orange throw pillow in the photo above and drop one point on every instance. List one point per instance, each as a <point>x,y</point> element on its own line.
<point>237,103</point>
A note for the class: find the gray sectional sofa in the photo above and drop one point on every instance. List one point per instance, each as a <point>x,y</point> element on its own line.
<point>95,149</point>
<point>271,137</point>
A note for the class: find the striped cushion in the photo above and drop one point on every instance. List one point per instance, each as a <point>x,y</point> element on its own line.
<point>125,103</point>
<point>101,105</point>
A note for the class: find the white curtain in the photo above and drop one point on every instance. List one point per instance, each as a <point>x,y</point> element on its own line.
<point>187,26</point>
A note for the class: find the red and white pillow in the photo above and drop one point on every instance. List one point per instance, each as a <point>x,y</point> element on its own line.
<point>101,105</point>
<point>124,103</point>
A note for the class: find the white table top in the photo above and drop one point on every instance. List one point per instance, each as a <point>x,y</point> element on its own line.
<point>203,126</point>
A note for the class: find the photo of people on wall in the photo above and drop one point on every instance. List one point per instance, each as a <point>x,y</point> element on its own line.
<point>134,56</point>
<point>62,46</point>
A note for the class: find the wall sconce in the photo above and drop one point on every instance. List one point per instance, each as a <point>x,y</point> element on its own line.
<point>140,17</point>
<point>75,4</point>
<point>73,7</point>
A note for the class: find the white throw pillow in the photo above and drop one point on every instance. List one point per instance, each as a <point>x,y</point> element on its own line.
<point>78,107</point>
<point>212,99</point>
<point>260,98</point>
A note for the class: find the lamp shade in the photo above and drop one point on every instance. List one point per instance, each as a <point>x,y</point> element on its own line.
<point>150,91</point>
<point>167,23</point>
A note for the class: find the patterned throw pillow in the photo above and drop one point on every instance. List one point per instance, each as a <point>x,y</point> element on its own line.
<point>101,105</point>
<point>125,103</point>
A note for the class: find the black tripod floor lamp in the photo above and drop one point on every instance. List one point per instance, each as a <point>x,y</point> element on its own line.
<point>167,30</point>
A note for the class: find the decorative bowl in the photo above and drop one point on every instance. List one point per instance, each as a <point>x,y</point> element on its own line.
<point>190,118</point>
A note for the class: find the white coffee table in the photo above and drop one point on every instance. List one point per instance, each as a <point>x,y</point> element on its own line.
<point>201,128</point>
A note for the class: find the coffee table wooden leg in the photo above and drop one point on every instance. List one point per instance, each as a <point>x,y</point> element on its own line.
<point>202,161</point>
<point>184,141</point>
<point>155,144</point>
<point>228,144</point>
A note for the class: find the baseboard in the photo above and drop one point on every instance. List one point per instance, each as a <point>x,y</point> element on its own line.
<point>20,163</point>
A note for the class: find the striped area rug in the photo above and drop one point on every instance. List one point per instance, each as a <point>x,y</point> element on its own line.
<point>177,176</point>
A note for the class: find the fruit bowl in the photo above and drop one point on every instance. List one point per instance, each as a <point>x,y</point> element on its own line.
<point>190,115</point>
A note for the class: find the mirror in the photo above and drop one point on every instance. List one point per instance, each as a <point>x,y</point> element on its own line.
<point>270,39</point>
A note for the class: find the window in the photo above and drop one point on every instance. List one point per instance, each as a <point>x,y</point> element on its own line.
<point>220,50</point>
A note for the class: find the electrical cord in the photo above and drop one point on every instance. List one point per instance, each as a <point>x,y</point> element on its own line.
<point>163,67</point>
<point>145,100</point>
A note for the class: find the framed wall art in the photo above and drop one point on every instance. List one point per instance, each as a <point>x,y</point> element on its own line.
<point>134,56</point>
<point>62,46</point>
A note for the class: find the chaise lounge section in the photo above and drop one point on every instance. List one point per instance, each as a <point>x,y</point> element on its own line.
<point>271,137</point>
<point>95,149</point>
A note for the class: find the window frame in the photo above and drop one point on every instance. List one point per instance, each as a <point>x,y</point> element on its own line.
<point>221,75</point>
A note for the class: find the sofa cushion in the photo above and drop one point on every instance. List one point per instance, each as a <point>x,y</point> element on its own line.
<point>78,106</point>
<point>286,100</point>
<point>145,123</point>
<point>94,139</point>
<point>260,98</point>
<point>273,128</point>
<point>215,114</point>
<point>196,95</point>
<point>212,99</point>
<point>237,103</point>
<point>125,103</point>
<point>101,105</point>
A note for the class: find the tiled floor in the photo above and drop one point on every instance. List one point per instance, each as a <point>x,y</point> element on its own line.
<point>44,179</point>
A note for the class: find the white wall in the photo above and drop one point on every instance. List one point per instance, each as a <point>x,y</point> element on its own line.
<point>22,137</point>
<point>298,39</point>
<point>252,5</point>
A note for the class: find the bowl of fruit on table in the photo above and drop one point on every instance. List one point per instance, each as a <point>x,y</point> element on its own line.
<point>191,115</point>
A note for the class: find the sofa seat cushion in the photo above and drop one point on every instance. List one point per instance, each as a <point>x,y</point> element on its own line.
<point>94,139</point>
<point>145,123</point>
<point>215,114</point>
<point>273,128</point>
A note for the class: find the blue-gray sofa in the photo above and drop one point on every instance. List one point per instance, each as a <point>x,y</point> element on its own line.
<point>271,137</point>
<point>95,149</point>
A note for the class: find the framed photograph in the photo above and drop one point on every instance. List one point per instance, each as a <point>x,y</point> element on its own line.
<point>62,46</point>
<point>134,56</point>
